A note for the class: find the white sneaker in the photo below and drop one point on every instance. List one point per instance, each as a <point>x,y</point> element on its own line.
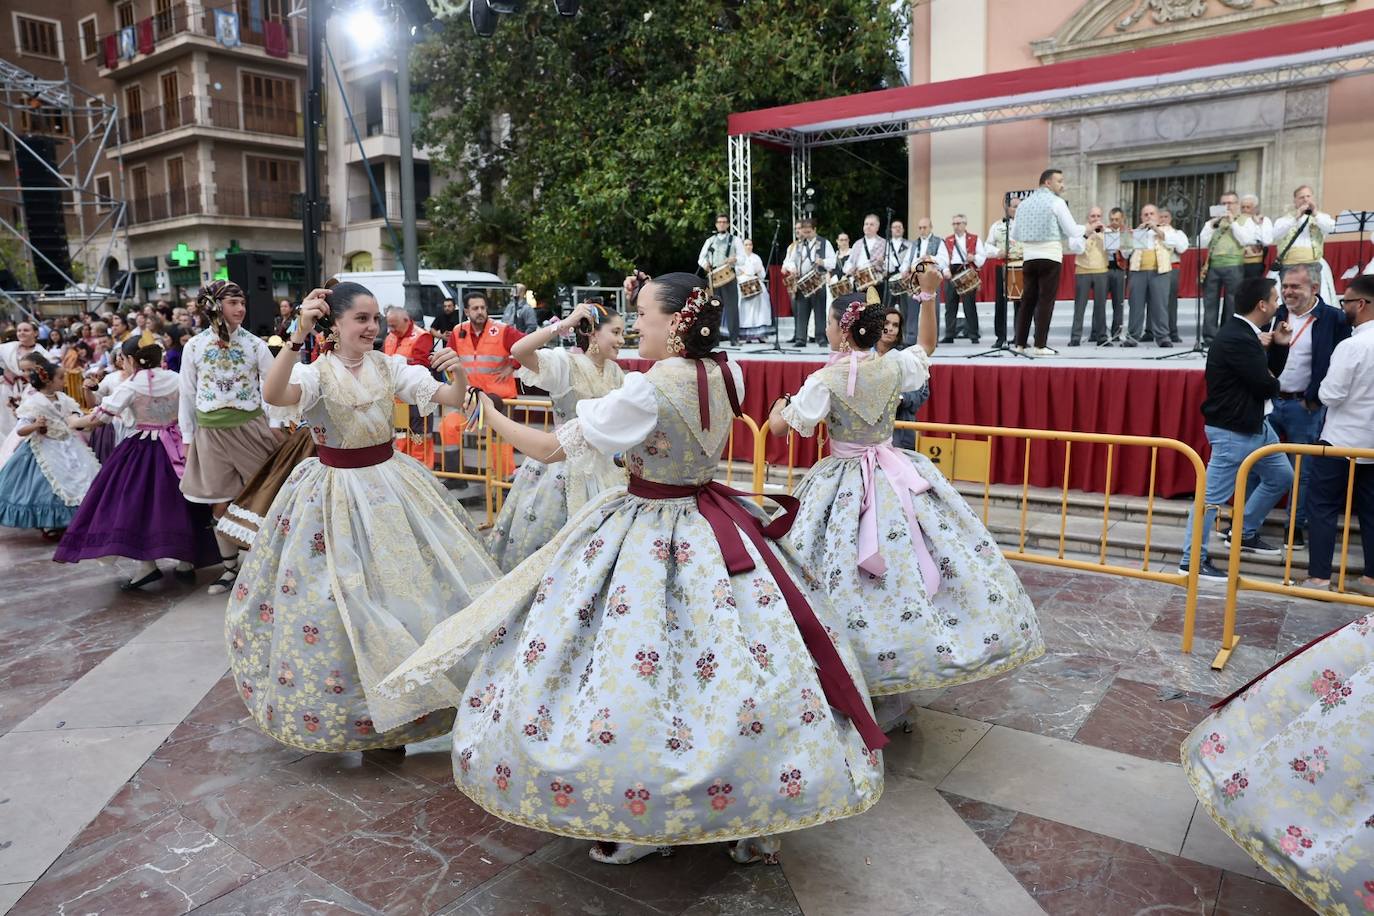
<point>1017,348</point>
<point>1043,351</point>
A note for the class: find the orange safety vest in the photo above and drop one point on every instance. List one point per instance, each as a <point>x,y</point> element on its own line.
<point>403,345</point>
<point>484,355</point>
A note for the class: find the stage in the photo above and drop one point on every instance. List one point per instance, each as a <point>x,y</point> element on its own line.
<point>1085,389</point>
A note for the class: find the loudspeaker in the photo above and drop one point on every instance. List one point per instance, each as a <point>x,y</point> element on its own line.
<point>253,271</point>
<point>43,219</point>
<point>567,7</point>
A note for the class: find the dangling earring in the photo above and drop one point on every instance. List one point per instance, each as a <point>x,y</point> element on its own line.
<point>593,348</point>
<point>675,345</point>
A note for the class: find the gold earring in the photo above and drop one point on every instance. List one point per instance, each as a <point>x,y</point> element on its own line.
<point>675,344</point>
<point>593,348</point>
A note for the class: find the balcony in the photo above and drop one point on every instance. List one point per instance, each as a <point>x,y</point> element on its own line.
<point>162,118</point>
<point>363,208</point>
<point>265,204</point>
<point>186,201</point>
<point>164,125</point>
<point>255,118</point>
<point>189,25</point>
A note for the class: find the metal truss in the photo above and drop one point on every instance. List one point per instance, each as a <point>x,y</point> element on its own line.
<point>801,177</point>
<point>741,187</point>
<point>88,125</point>
<point>1088,102</point>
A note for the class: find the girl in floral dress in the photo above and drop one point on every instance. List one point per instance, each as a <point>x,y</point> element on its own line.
<point>543,496</point>
<point>361,554</point>
<point>925,595</point>
<point>1285,766</point>
<point>46,478</point>
<point>661,672</point>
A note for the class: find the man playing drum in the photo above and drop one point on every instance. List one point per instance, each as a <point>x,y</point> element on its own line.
<point>808,258</point>
<point>719,255</point>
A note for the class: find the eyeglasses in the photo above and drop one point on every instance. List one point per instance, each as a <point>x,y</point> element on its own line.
<point>1356,299</point>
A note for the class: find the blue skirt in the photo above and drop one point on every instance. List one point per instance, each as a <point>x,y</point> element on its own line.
<point>27,499</point>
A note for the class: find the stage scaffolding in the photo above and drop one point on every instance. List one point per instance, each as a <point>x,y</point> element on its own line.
<point>85,126</point>
<point>1314,52</point>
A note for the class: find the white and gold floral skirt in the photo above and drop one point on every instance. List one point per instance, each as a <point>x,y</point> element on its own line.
<point>541,500</point>
<point>980,621</point>
<point>640,693</point>
<point>1286,769</point>
<point>351,570</point>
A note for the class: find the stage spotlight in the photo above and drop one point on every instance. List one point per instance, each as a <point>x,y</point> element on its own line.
<point>483,18</point>
<point>365,28</point>
<point>567,7</point>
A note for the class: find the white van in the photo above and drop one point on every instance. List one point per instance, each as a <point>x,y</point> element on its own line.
<point>435,286</point>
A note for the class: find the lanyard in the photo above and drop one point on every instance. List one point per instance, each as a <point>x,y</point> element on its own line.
<point>1298,336</point>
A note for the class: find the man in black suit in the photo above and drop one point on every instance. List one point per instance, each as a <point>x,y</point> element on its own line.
<point>1243,366</point>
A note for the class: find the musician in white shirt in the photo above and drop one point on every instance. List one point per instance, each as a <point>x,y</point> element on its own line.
<point>870,250</point>
<point>755,312</point>
<point>809,252</point>
<point>1300,237</point>
<point>961,250</point>
<point>1116,239</point>
<point>926,244</point>
<point>998,244</point>
<point>722,249</point>
<point>1177,242</point>
<point>1255,254</point>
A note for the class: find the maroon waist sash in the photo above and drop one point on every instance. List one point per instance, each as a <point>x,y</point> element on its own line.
<point>727,519</point>
<point>354,457</point>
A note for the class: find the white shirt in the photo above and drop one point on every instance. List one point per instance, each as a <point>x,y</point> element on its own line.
<point>812,403</point>
<point>1297,372</point>
<point>751,267</point>
<point>957,254</point>
<point>213,377</point>
<point>1176,241</point>
<point>898,254</point>
<point>1268,404</point>
<point>714,251</point>
<point>808,253</point>
<point>1348,391</point>
<point>1249,234</point>
<point>864,252</point>
<point>1054,251</point>
<point>921,247</point>
<point>1323,220</point>
<point>993,250</point>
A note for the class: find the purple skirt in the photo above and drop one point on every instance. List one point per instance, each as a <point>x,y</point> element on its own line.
<point>135,509</point>
<point>103,441</point>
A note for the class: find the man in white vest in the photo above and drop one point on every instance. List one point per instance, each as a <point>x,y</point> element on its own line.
<point>1045,230</point>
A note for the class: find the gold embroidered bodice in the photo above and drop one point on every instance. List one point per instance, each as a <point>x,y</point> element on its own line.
<point>679,451</point>
<point>867,417</point>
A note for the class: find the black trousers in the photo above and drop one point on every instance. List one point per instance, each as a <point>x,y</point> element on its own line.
<point>810,307</point>
<point>952,302</point>
<point>1042,286</point>
<point>729,299</point>
<point>999,307</point>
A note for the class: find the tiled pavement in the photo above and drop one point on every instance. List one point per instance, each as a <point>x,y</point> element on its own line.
<point>1053,789</point>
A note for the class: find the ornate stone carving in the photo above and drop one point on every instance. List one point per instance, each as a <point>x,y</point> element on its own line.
<point>1165,11</point>
<point>1301,105</point>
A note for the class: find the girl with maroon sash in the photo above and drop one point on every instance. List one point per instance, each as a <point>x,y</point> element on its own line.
<point>134,507</point>
<point>926,597</point>
<point>361,553</point>
<point>663,671</point>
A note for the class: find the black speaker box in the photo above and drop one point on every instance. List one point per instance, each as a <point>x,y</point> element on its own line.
<point>253,271</point>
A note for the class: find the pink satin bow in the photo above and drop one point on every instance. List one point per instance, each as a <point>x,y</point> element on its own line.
<point>170,437</point>
<point>855,357</point>
<point>902,474</point>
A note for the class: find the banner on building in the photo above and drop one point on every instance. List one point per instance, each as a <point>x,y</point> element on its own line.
<point>227,28</point>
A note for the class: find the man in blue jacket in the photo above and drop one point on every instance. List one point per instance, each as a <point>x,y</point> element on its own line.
<point>1298,411</point>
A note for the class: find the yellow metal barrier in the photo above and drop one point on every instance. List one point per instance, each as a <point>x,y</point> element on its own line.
<point>971,460</point>
<point>500,484</point>
<point>1235,582</point>
<point>419,441</point>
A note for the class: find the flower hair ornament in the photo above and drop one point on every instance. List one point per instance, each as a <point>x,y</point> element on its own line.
<point>39,377</point>
<point>851,315</point>
<point>211,302</point>
<point>697,299</point>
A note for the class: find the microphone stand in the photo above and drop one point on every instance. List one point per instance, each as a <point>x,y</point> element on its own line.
<point>1197,348</point>
<point>1005,349</point>
<point>772,301</point>
<point>887,251</point>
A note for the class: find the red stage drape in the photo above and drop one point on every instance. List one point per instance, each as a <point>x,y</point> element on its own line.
<point>1143,401</point>
<point>1340,255</point>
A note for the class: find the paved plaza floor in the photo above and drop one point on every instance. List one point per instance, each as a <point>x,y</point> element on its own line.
<point>132,782</point>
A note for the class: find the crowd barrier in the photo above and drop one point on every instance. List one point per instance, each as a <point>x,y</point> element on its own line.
<point>1236,583</point>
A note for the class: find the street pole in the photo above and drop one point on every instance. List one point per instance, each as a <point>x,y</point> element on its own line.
<point>409,253</point>
<point>317,13</point>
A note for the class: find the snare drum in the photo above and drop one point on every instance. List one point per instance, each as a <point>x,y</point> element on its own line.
<point>967,281</point>
<point>867,276</point>
<point>907,286</point>
<point>841,286</point>
<point>751,287</point>
<point>813,281</point>
<point>1016,282</point>
<point>723,275</point>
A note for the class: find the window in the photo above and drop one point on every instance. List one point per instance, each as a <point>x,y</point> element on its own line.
<point>171,108</point>
<point>38,37</point>
<point>372,109</point>
<point>269,104</point>
<point>125,14</point>
<point>176,187</point>
<point>90,43</point>
<point>133,111</point>
<point>274,183</point>
<point>104,191</point>
<point>1186,190</point>
<point>162,17</point>
<point>142,207</point>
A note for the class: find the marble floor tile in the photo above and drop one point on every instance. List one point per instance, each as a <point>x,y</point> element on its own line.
<point>430,760</point>
<point>133,804</point>
<point>1161,662</point>
<point>668,885</point>
<point>1143,720</point>
<point>10,894</point>
<point>1078,626</point>
<point>1072,872</point>
<point>988,821</point>
<point>936,743</point>
<point>207,765</point>
<point>219,711</point>
<point>139,684</point>
<point>423,856</point>
<point>1206,843</point>
<point>548,891</point>
<point>290,891</point>
<point>1307,620</point>
<point>289,812</point>
<point>1052,695</point>
<point>46,806</point>
<point>910,854</point>
<point>1258,623</point>
<point>1246,897</point>
<point>748,892</point>
<point>1140,801</point>
<point>168,866</point>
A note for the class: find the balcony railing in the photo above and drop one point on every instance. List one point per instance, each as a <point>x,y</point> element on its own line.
<point>383,123</point>
<point>229,114</point>
<point>185,201</point>
<point>269,204</point>
<point>364,207</point>
<point>184,18</point>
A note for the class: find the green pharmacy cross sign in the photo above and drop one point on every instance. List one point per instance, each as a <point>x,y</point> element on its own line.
<point>183,256</point>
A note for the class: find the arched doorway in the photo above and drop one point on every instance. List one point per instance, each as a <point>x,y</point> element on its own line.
<point>360,261</point>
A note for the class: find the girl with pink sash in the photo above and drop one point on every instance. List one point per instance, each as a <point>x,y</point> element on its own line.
<point>926,596</point>
<point>134,507</point>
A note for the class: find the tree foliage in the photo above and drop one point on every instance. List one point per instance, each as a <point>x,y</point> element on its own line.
<point>599,143</point>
